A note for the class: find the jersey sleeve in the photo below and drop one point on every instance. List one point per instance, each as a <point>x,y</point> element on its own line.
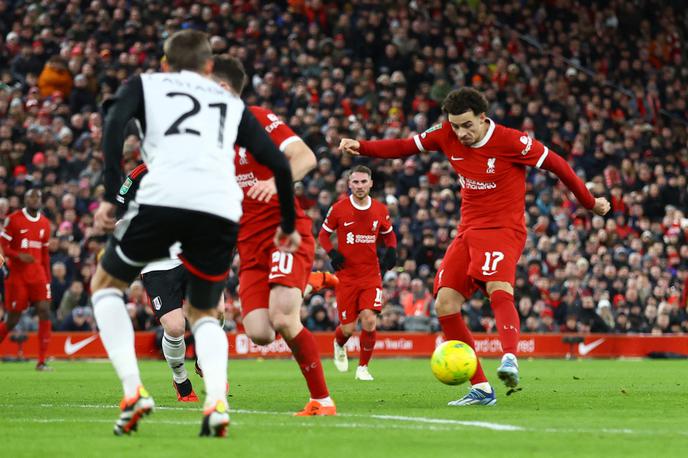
<point>331,220</point>
<point>520,148</point>
<point>385,221</point>
<point>280,133</point>
<point>431,139</point>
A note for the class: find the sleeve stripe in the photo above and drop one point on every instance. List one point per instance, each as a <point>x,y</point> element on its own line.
<point>6,236</point>
<point>419,145</point>
<point>387,231</point>
<point>542,158</point>
<point>289,141</point>
<point>324,226</point>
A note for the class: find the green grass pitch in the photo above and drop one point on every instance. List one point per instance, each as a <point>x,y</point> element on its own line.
<point>566,408</point>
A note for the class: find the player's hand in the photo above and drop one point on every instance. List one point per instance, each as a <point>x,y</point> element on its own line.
<point>287,243</point>
<point>350,146</point>
<point>602,206</point>
<point>389,260</point>
<point>336,259</point>
<point>263,190</point>
<point>26,258</point>
<point>104,218</point>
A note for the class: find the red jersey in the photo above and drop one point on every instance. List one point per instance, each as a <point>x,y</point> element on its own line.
<point>492,172</point>
<point>357,232</point>
<point>26,234</point>
<point>260,216</point>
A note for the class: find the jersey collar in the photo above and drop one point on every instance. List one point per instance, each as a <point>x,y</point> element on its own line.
<point>487,136</point>
<point>33,219</point>
<point>358,207</point>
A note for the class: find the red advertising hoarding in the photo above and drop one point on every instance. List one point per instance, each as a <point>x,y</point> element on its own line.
<point>393,344</point>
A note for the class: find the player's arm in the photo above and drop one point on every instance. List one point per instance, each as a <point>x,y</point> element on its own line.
<point>389,238</point>
<point>127,191</point>
<point>45,255</point>
<point>125,105</point>
<point>252,136</point>
<point>6,238</point>
<point>301,160</point>
<point>395,148</point>
<point>324,237</point>
<point>557,165</point>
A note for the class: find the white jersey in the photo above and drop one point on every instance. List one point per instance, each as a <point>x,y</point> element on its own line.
<point>191,127</point>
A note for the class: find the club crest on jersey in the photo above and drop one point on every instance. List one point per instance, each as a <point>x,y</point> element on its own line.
<point>491,165</point>
<point>40,234</point>
<point>243,160</point>
<point>375,225</point>
<point>528,142</point>
<point>350,238</point>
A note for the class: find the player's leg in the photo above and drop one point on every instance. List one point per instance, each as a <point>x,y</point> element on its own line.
<point>285,304</point>
<point>494,256</point>
<point>347,309</point>
<point>207,246</point>
<point>45,327</point>
<point>166,290</point>
<point>341,336</point>
<point>254,294</point>
<point>16,301</point>
<point>369,306</point>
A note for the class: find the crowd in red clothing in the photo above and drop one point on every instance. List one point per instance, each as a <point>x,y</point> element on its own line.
<point>602,83</point>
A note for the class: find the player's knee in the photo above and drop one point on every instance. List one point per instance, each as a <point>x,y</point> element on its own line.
<point>261,336</point>
<point>101,280</point>
<point>282,322</point>
<point>174,329</point>
<point>448,302</point>
<point>368,321</point>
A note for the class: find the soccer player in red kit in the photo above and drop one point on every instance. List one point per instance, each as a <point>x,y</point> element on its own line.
<point>490,161</point>
<point>358,221</point>
<point>25,245</point>
<point>272,281</point>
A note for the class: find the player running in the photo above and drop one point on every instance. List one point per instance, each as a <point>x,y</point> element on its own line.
<point>25,247</point>
<point>272,281</point>
<point>190,195</point>
<point>358,222</point>
<point>490,160</point>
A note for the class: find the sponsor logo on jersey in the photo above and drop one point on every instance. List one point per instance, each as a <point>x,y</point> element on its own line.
<point>246,180</point>
<point>467,183</point>
<point>352,238</point>
<point>433,128</point>
<point>491,165</point>
<point>528,142</point>
<point>125,186</point>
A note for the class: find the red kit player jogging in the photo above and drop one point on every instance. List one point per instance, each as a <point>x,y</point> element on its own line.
<point>491,161</point>
<point>358,221</point>
<point>25,244</point>
<point>272,281</point>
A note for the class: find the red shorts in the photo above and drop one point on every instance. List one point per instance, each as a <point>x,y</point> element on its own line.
<point>262,265</point>
<point>351,299</point>
<point>478,256</point>
<point>19,294</point>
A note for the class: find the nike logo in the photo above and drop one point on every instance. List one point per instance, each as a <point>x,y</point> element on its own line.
<point>456,158</point>
<point>489,273</point>
<point>584,349</point>
<point>23,231</point>
<point>349,223</point>
<point>71,348</point>
<point>271,276</point>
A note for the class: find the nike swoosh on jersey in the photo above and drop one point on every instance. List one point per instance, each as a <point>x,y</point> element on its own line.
<point>271,276</point>
<point>457,158</point>
<point>71,348</point>
<point>349,223</point>
<point>584,349</point>
<point>489,273</point>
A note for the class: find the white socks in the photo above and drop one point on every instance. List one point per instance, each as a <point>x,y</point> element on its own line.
<point>174,350</point>
<point>211,350</point>
<point>485,386</point>
<point>117,335</point>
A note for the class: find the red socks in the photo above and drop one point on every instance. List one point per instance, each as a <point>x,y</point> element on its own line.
<point>340,337</point>
<point>367,346</point>
<point>454,328</point>
<point>3,331</point>
<point>508,322</point>
<point>44,329</point>
<point>305,351</point>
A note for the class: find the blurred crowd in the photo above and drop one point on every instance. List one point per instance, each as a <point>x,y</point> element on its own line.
<point>603,83</point>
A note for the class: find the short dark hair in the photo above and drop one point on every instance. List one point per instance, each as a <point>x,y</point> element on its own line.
<point>188,50</point>
<point>465,99</point>
<point>362,169</point>
<point>230,70</point>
